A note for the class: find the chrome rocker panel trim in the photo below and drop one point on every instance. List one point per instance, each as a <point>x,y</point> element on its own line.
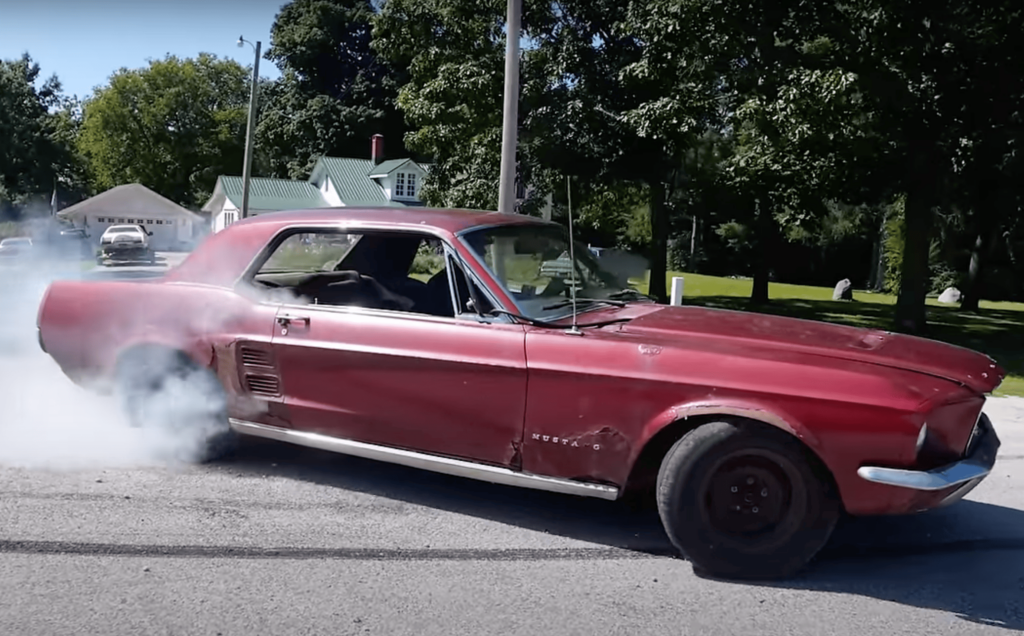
<point>968,472</point>
<point>434,463</point>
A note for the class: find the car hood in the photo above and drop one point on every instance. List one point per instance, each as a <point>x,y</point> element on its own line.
<point>743,329</point>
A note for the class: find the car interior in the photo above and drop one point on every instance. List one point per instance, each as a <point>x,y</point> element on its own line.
<point>386,270</point>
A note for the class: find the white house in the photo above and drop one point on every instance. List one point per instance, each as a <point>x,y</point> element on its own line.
<point>334,182</point>
<point>172,226</point>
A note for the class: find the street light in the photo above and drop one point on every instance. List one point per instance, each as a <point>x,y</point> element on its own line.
<point>250,127</point>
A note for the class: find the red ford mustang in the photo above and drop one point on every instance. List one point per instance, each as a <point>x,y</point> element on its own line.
<point>445,340</point>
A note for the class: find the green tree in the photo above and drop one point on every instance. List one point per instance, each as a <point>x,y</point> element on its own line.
<point>920,69</point>
<point>989,161</point>
<point>173,126</point>
<point>609,109</point>
<point>792,114</point>
<point>335,91</point>
<point>453,51</point>
<point>34,145</point>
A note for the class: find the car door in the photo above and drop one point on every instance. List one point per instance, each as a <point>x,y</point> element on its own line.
<point>446,385</point>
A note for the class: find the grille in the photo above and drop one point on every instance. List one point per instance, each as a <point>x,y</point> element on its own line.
<point>255,358</point>
<point>263,385</point>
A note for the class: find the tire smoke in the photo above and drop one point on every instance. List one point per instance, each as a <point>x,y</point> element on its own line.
<point>47,421</point>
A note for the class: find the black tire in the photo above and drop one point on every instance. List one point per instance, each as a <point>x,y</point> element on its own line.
<point>165,390</point>
<point>743,500</point>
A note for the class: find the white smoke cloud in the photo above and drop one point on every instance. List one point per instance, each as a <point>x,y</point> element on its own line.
<point>46,421</point>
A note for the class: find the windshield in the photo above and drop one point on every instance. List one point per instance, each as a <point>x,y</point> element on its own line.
<point>16,241</point>
<point>532,263</point>
<point>125,228</point>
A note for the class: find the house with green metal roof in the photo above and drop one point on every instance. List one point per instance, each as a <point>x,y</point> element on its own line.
<point>334,182</point>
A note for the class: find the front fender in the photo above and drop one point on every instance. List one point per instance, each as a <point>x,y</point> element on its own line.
<point>710,408</point>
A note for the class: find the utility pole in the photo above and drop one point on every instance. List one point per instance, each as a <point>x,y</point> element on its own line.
<point>250,128</point>
<point>510,114</point>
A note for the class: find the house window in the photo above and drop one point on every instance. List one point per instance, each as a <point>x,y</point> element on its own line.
<point>229,218</point>
<point>405,185</point>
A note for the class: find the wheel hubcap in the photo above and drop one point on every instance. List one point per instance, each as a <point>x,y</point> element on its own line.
<point>748,495</point>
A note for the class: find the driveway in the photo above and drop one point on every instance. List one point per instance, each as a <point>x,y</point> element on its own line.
<point>164,261</point>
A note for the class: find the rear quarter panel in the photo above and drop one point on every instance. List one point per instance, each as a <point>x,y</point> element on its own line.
<point>87,325</point>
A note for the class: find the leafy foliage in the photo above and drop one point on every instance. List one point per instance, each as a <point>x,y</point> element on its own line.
<point>174,127</point>
<point>33,151</point>
<point>453,51</point>
<point>335,91</point>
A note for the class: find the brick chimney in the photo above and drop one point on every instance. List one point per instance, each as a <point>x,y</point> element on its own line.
<point>377,149</point>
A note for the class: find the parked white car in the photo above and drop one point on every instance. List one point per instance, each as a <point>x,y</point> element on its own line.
<point>15,246</point>
<point>125,243</point>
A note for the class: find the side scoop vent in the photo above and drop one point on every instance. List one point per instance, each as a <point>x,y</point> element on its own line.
<point>264,385</point>
<point>255,357</point>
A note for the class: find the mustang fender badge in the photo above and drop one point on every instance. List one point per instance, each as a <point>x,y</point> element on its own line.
<point>564,441</point>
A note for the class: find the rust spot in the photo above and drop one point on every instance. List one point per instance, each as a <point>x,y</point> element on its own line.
<point>516,460</point>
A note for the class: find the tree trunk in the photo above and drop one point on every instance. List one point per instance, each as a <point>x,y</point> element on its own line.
<point>764,243</point>
<point>876,279</point>
<point>693,242</point>
<point>1008,235</point>
<point>659,243</point>
<point>919,219</point>
<point>981,254</point>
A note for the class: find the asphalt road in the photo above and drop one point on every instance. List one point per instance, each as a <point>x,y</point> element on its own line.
<point>100,534</point>
<point>164,260</point>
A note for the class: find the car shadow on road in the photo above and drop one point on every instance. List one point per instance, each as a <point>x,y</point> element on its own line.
<point>967,559</point>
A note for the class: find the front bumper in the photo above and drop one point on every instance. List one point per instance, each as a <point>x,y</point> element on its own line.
<point>123,249</point>
<point>957,479</point>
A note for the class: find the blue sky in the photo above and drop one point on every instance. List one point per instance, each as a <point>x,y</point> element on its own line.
<point>85,41</point>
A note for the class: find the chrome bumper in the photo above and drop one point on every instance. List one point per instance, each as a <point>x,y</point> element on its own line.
<point>967,473</point>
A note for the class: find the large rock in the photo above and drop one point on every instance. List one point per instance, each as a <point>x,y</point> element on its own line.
<point>843,290</point>
<point>950,297</point>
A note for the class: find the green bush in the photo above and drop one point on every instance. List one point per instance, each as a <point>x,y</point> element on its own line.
<point>428,260</point>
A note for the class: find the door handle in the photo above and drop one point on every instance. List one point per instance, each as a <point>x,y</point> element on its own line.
<point>286,319</point>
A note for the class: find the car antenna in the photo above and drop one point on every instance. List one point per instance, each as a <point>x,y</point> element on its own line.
<point>574,330</point>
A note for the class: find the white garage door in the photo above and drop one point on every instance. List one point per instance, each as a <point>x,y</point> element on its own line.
<point>165,231</point>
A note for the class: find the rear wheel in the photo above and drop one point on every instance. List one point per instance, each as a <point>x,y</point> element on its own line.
<point>166,393</point>
<point>746,501</point>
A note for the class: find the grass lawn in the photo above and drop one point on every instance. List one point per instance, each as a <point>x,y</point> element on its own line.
<point>997,329</point>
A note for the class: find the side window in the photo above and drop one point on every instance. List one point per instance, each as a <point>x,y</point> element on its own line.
<point>429,260</point>
<point>393,271</point>
<point>309,252</point>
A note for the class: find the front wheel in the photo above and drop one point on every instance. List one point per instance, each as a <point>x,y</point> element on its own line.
<point>745,501</point>
<point>183,405</point>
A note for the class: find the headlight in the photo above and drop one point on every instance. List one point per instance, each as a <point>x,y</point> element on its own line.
<point>921,437</point>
